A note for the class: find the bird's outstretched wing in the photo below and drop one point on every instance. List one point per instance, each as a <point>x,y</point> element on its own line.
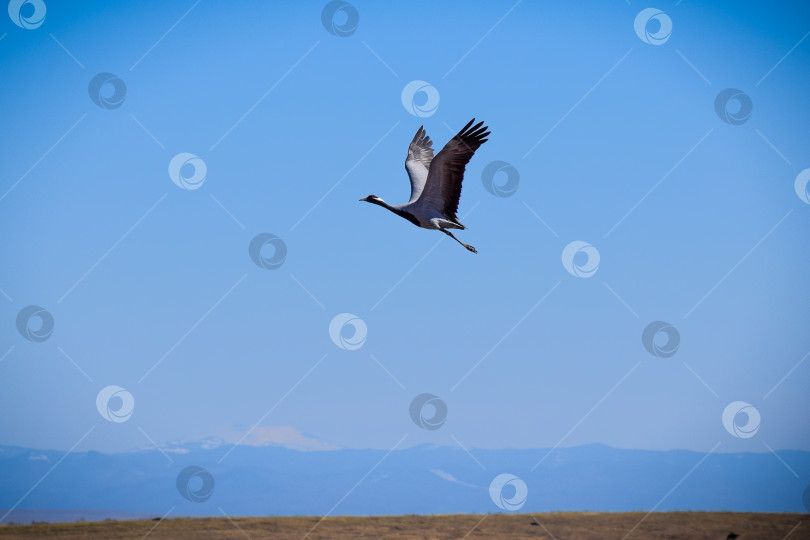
<point>420,154</point>
<point>443,185</point>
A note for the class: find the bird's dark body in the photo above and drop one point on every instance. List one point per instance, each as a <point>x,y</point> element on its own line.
<point>410,217</point>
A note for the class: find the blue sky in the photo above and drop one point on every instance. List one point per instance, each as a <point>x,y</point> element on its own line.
<point>616,142</point>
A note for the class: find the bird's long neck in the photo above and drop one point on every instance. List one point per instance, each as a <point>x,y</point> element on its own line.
<point>380,202</point>
<point>402,213</point>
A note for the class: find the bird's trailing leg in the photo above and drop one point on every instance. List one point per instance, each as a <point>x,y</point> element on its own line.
<point>468,246</point>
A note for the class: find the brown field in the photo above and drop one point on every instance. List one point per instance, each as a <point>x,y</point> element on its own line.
<point>560,526</point>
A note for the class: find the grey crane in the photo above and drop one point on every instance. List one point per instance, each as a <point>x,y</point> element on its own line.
<point>436,182</point>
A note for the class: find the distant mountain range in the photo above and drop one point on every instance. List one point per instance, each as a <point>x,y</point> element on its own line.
<point>272,480</point>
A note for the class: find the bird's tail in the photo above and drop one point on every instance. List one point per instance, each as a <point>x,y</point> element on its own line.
<point>454,224</point>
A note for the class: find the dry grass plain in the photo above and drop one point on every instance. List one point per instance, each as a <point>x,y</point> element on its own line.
<point>559,526</point>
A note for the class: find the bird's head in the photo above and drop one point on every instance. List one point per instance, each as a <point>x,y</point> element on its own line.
<point>372,199</point>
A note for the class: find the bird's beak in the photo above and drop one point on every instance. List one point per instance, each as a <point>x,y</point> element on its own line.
<point>361,200</point>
